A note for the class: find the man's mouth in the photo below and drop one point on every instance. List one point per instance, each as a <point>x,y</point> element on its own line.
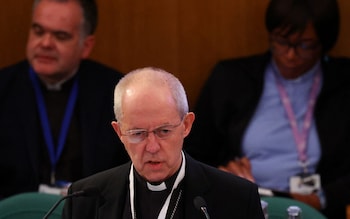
<point>45,58</point>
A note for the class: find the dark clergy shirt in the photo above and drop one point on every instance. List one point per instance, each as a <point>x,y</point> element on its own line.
<point>69,166</point>
<point>148,204</point>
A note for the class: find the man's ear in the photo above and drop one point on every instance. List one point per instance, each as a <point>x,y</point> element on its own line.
<point>188,122</point>
<point>88,45</point>
<point>116,128</point>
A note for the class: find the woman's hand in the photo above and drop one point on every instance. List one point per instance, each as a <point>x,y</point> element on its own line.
<point>240,167</point>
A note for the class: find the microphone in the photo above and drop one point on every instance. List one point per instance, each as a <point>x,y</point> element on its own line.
<point>200,204</point>
<point>86,192</point>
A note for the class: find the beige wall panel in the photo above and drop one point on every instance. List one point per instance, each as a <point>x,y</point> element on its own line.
<point>186,37</point>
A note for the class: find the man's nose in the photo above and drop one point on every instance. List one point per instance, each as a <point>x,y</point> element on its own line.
<point>152,144</point>
<point>47,40</point>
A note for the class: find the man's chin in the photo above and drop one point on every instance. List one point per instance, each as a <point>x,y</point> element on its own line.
<point>155,176</point>
<point>156,179</point>
<point>44,69</point>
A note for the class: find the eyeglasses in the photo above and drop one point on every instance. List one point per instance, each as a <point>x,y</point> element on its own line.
<point>138,135</point>
<point>304,49</point>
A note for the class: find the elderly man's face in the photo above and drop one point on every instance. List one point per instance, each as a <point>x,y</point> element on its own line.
<point>152,113</point>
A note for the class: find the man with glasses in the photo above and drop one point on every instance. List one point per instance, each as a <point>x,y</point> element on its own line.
<point>162,181</point>
<point>282,119</point>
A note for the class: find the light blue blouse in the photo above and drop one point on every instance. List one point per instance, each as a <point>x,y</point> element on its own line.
<point>268,141</point>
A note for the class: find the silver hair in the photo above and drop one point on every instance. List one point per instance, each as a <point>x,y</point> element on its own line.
<point>151,74</point>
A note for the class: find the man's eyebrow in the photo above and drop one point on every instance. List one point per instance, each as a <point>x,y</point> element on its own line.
<point>36,25</point>
<point>143,129</point>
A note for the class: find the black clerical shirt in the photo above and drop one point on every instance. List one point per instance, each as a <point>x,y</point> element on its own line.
<point>149,203</point>
<point>69,166</point>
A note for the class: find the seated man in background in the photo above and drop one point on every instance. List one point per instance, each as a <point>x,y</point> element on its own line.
<point>281,119</point>
<point>56,106</point>
<point>161,181</point>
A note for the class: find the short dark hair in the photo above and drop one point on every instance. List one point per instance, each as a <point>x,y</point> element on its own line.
<point>292,16</point>
<point>90,14</point>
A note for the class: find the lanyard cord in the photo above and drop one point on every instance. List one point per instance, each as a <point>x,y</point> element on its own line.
<point>54,154</point>
<point>300,137</point>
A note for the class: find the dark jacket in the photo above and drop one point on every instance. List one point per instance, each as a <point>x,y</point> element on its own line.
<point>228,102</point>
<point>20,129</point>
<point>226,196</point>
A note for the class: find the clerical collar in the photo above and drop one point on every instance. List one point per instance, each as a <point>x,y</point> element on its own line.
<point>164,209</point>
<point>156,187</point>
<point>58,86</point>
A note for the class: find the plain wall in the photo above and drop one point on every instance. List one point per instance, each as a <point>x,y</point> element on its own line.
<point>185,37</point>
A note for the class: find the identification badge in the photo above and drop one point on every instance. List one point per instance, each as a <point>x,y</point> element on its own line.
<point>43,188</point>
<point>305,184</point>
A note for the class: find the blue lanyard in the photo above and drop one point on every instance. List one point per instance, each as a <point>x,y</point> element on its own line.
<point>54,154</point>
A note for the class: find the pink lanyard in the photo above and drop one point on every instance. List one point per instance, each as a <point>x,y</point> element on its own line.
<point>299,136</point>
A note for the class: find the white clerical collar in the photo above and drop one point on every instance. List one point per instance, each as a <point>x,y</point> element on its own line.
<point>164,209</point>
<point>58,85</point>
<point>156,188</point>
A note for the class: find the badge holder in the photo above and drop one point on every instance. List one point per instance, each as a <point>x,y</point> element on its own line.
<point>305,183</point>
